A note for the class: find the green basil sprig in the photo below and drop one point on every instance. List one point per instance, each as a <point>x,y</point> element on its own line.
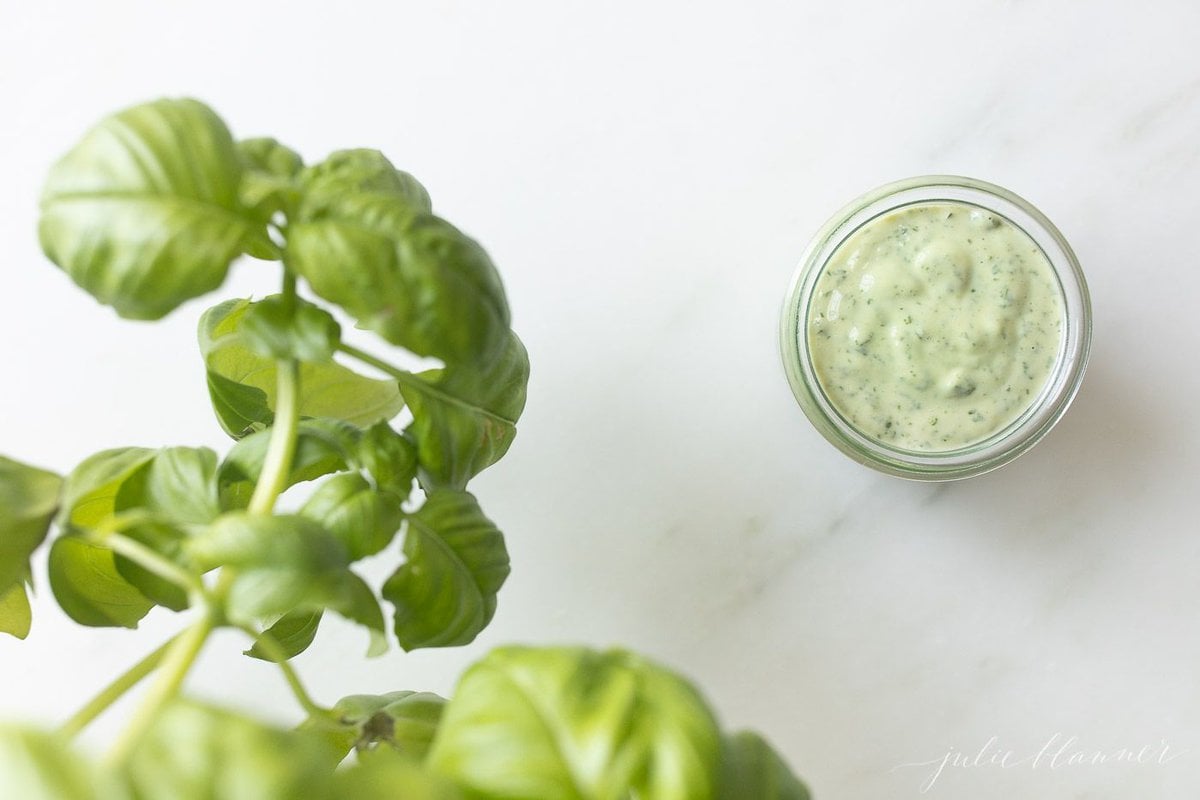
<point>154,207</point>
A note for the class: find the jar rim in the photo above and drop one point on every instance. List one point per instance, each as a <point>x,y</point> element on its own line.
<point>1013,439</point>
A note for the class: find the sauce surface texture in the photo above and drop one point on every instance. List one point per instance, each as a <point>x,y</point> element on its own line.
<point>934,326</point>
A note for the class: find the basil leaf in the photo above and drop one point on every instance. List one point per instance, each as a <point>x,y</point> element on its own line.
<point>365,239</point>
<point>569,723</point>
<point>362,519</point>
<point>15,613</point>
<point>164,538</point>
<point>152,502</point>
<point>357,194</point>
<point>242,383</point>
<point>28,502</point>
<point>268,156</point>
<point>402,721</point>
<point>445,593</point>
<point>286,564</point>
<point>144,212</point>
<point>179,483</point>
<point>419,283</point>
<point>196,752</point>
<point>89,493</point>
<point>277,329</point>
<point>240,409</point>
<point>464,418</point>
<point>392,778</point>
<point>456,308</point>
<point>752,770</point>
<point>293,632</point>
<point>83,574</point>
<point>390,459</point>
<point>361,184</point>
<point>269,172</point>
<point>38,766</point>
<point>90,589</point>
<point>352,598</point>
<point>322,446</point>
<point>252,542</point>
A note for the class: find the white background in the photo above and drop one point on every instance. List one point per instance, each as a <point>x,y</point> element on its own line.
<point>646,175</point>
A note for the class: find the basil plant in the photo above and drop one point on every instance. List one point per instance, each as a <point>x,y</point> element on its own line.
<point>152,208</point>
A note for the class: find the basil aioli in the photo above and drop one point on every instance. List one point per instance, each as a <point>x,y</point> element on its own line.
<point>934,326</point>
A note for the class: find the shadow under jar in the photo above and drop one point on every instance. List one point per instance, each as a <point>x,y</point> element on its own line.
<point>936,328</point>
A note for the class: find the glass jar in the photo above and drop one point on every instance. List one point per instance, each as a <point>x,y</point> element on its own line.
<point>1008,442</point>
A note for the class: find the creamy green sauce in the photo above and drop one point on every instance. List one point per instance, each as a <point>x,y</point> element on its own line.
<point>935,326</point>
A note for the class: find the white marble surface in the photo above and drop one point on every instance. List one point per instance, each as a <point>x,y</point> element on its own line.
<point>646,175</point>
